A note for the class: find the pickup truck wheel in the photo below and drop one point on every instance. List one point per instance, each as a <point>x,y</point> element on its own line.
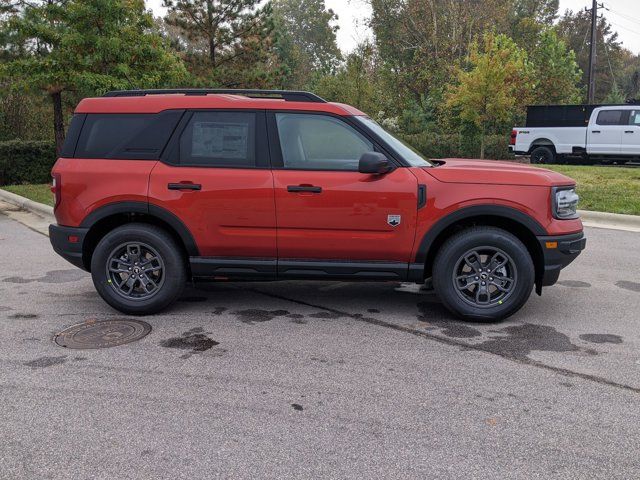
<point>483,273</point>
<point>542,155</point>
<point>138,269</point>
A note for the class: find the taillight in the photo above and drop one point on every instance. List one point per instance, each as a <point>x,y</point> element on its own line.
<point>56,189</point>
<point>512,140</point>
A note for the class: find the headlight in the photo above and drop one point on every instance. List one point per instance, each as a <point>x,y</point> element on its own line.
<point>564,201</point>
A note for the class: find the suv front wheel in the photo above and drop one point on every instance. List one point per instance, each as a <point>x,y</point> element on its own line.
<point>138,269</point>
<point>483,273</point>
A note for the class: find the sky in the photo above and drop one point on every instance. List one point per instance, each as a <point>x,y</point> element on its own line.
<point>624,15</point>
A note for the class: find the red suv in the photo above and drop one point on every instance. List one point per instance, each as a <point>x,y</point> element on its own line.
<point>157,187</point>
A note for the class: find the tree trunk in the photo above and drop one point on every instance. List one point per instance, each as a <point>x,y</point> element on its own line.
<point>482,145</point>
<point>211,29</point>
<point>58,120</point>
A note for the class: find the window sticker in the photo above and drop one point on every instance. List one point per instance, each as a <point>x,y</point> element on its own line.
<point>220,140</point>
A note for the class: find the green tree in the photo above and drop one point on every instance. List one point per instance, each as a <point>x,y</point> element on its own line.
<point>87,47</point>
<point>225,42</point>
<point>305,41</point>
<point>493,88</point>
<point>354,83</point>
<point>612,60</point>
<point>557,75</point>
<point>529,18</point>
<point>616,95</point>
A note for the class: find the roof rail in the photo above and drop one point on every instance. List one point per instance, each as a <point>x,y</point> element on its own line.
<point>287,95</point>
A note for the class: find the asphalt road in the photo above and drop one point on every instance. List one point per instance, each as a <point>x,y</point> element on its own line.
<point>322,380</point>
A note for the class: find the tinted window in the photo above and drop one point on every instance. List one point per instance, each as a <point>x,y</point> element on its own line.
<point>126,136</point>
<point>634,118</point>
<point>73,133</point>
<point>611,117</point>
<point>319,142</point>
<point>220,139</point>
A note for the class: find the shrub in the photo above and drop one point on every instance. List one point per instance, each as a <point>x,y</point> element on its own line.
<point>433,145</point>
<point>26,161</point>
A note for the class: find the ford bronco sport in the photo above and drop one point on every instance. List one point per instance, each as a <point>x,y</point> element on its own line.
<point>154,188</point>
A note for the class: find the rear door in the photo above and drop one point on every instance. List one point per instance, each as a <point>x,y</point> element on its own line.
<point>605,137</point>
<point>215,177</point>
<point>631,135</point>
<point>328,212</point>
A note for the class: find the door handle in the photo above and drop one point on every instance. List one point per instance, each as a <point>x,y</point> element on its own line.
<point>304,188</point>
<point>628,131</point>
<point>184,186</point>
<point>595,131</point>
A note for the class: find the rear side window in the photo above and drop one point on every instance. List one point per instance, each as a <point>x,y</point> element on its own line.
<point>219,139</point>
<point>126,136</point>
<point>634,118</point>
<point>612,117</point>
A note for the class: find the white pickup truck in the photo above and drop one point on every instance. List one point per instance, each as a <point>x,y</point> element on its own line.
<point>558,133</point>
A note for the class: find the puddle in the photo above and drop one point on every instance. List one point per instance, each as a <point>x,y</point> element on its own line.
<point>601,338</point>
<point>193,340</point>
<point>521,340</point>
<point>574,284</point>
<point>254,315</point>
<point>54,276</point>
<point>631,286</point>
<point>44,362</point>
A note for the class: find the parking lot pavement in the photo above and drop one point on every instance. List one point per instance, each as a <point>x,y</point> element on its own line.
<point>315,380</point>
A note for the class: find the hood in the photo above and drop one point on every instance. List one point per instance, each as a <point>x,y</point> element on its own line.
<point>459,170</point>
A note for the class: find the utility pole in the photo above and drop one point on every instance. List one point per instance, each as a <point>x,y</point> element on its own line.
<point>592,51</point>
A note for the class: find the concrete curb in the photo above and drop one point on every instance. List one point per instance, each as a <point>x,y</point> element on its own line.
<point>613,221</point>
<point>39,209</point>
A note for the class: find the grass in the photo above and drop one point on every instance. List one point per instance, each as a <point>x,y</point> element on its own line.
<point>605,189</point>
<point>602,189</point>
<point>38,193</point>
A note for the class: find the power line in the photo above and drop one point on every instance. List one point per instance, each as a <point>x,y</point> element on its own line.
<point>622,15</point>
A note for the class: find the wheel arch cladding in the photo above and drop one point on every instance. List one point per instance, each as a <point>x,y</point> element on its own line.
<point>524,227</point>
<point>106,218</point>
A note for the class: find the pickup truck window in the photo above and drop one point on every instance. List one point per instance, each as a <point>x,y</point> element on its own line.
<point>634,118</point>
<point>612,117</point>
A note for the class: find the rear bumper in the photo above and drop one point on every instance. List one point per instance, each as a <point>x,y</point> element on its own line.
<point>558,251</point>
<point>512,149</point>
<point>67,242</point>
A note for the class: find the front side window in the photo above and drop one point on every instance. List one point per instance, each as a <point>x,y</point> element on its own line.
<point>319,142</point>
<point>219,139</point>
<point>611,117</point>
<point>407,153</point>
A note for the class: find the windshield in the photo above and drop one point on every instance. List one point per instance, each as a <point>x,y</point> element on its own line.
<point>407,153</point>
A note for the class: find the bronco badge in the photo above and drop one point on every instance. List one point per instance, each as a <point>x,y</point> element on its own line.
<point>394,220</point>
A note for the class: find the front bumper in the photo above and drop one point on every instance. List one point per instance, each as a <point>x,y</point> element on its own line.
<point>67,242</point>
<point>558,251</point>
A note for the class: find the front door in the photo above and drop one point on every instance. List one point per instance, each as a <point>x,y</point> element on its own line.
<point>217,180</point>
<point>329,213</point>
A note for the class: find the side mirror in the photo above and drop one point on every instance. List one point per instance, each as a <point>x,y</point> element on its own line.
<point>374,163</point>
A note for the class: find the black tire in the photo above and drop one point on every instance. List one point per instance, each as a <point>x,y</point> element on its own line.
<point>164,277</point>
<point>542,156</point>
<point>469,302</point>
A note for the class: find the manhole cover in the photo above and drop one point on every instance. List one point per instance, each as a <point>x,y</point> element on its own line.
<point>102,334</point>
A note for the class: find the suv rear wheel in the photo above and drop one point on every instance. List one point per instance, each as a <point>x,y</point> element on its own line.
<point>138,269</point>
<point>483,273</point>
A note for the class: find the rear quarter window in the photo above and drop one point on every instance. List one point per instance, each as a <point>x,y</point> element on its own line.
<point>612,117</point>
<point>126,136</point>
